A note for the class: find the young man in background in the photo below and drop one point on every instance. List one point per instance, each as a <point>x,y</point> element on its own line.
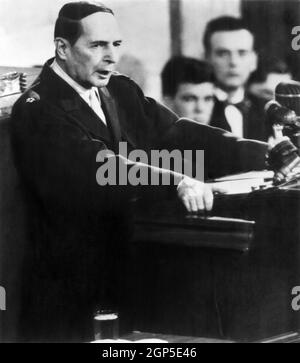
<point>230,49</point>
<point>188,88</point>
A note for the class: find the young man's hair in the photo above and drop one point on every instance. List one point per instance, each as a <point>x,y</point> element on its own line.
<point>68,24</point>
<point>223,23</point>
<point>180,70</point>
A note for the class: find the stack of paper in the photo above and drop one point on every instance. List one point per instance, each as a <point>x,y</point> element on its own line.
<point>244,183</point>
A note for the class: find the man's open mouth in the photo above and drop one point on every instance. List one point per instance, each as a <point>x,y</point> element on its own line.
<point>104,73</point>
<point>233,75</point>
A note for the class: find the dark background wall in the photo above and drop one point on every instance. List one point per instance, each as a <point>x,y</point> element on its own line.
<point>272,22</point>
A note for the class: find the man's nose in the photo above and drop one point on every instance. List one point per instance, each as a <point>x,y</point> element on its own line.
<point>199,106</point>
<point>234,59</point>
<point>111,54</point>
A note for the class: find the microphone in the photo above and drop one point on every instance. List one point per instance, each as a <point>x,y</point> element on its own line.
<point>287,94</point>
<point>284,111</point>
<point>279,115</point>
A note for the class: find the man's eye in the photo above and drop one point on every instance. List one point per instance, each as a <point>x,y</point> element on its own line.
<point>188,98</point>
<point>209,98</point>
<point>118,44</point>
<point>98,45</point>
<point>243,53</point>
<point>222,53</point>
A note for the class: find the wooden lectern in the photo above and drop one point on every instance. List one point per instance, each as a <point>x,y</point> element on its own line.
<point>229,275</point>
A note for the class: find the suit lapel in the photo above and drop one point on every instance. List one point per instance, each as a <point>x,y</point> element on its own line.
<point>77,110</point>
<point>112,117</point>
<point>245,107</point>
<point>80,111</point>
<point>218,118</point>
<point>117,119</point>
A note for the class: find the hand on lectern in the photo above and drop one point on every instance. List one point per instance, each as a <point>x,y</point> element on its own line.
<point>197,196</point>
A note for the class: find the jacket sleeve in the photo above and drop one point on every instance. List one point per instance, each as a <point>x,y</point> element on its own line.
<point>224,153</point>
<point>58,162</point>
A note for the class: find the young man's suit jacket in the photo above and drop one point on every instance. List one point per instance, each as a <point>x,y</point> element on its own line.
<point>254,120</point>
<point>78,230</point>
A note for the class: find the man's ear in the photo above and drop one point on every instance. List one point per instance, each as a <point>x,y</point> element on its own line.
<point>61,47</point>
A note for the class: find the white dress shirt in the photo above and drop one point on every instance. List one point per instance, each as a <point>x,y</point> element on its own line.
<point>233,115</point>
<point>90,96</point>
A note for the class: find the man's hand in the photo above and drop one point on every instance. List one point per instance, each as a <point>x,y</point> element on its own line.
<point>195,195</point>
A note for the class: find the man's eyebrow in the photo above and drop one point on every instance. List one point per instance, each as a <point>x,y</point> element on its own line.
<point>188,94</point>
<point>102,42</point>
<point>222,49</point>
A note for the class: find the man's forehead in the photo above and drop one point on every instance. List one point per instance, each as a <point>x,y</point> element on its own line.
<point>233,39</point>
<point>99,26</point>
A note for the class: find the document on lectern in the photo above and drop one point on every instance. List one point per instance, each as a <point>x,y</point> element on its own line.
<point>245,183</point>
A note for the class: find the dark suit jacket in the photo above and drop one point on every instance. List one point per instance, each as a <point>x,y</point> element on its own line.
<point>78,230</point>
<point>254,123</point>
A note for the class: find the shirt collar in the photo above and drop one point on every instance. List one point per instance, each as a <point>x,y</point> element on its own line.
<point>236,98</point>
<point>83,92</point>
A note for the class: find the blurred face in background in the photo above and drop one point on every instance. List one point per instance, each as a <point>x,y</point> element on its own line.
<point>193,100</point>
<point>232,57</point>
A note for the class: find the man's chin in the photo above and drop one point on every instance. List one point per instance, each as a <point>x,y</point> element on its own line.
<point>101,83</point>
<point>232,86</point>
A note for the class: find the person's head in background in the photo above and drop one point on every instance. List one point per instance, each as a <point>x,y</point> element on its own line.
<point>87,38</point>
<point>270,73</point>
<point>188,89</point>
<point>230,49</point>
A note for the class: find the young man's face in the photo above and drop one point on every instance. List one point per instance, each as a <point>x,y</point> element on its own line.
<point>195,101</point>
<point>232,56</point>
<point>91,60</point>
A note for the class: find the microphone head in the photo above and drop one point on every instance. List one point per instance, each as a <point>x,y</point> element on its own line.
<point>276,114</point>
<point>288,95</point>
<point>271,104</point>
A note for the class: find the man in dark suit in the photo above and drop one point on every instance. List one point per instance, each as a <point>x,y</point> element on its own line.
<point>230,48</point>
<point>77,253</point>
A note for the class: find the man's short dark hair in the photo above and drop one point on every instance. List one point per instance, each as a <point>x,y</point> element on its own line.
<point>68,25</point>
<point>180,70</point>
<point>223,23</point>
